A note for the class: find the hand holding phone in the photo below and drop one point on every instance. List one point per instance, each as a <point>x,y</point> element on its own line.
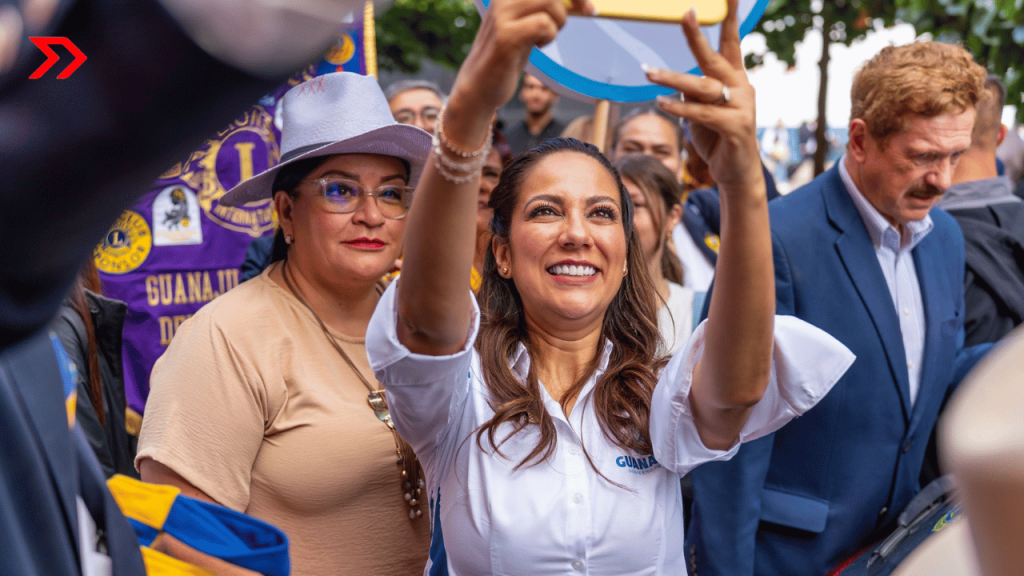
<point>708,11</point>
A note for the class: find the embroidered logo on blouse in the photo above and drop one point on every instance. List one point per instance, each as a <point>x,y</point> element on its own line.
<point>638,465</point>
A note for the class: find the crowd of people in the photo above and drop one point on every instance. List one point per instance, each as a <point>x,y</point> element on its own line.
<point>468,349</point>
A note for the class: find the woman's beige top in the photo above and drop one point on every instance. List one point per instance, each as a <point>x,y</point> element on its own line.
<point>252,405</point>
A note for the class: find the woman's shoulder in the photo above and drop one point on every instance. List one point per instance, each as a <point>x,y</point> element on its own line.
<point>679,296</point>
<point>250,310</point>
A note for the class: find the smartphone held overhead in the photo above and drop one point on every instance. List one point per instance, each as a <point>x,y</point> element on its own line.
<point>708,11</point>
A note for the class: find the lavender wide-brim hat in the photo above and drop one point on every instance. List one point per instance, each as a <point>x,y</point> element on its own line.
<point>339,113</point>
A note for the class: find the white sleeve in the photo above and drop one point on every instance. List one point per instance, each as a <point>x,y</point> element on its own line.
<point>806,363</point>
<point>426,394</point>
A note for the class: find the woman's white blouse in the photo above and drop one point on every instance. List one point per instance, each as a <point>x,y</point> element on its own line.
<point>560,516</point>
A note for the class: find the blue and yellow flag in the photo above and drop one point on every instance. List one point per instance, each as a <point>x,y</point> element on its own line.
<point>244,541</point>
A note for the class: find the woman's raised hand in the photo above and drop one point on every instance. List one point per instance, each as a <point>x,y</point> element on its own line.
<point>510,29</point>
<point>719,106</point>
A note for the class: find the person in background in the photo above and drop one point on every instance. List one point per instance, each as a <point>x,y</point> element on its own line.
<point>538,123</point>
<point>264,401</point>
<point>90,329</point>
<point>696,238</point>
<point>652,132</point>
<point>415,102</point>
<point>696,174</point>
<point>863,254</point>
<point>992,221</point>
<point>581,128</point>
<point>498,157</point>
<point>1011,153</point>
<point>655,196</point>
<point>262,252</point>
<point>775,150</point>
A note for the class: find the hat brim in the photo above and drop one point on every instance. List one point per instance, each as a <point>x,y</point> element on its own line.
<point>402,141</point>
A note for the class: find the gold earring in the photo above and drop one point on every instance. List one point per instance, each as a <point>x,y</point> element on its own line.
<point>288,239</point>
<point>624,270</point>
<point>504,270</point>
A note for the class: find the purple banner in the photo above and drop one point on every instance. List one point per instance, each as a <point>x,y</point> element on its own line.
<point>178,248</point>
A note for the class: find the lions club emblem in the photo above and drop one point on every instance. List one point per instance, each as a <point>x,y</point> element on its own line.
<point>126,245</point>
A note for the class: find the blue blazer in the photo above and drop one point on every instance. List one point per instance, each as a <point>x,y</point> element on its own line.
<point>823,487</point>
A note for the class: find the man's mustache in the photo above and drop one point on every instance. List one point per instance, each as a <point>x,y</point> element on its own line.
<point>923,188</point>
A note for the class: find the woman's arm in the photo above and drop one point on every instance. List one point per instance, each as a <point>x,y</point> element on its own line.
<point>156,473</point>
<point>736,366</point>
<point>433,292</point>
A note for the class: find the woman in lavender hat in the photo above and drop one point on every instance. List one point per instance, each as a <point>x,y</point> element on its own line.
<point>264,401</point>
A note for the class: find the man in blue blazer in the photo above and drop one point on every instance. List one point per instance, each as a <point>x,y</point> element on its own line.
<point>862,253</point>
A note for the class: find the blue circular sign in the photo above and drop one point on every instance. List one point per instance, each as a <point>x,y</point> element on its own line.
<point>600,58</point>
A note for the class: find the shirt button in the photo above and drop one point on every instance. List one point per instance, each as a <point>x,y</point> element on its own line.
<point>906,311</point>
<point>883,511</point>
<point>578,498</point>
<point>574,450</point>
<point>578,565</point>
<point>910,365</point>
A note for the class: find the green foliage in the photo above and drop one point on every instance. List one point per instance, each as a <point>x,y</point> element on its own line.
<point>993,30</point>
<point>786,22</point>
<point>414,30</point>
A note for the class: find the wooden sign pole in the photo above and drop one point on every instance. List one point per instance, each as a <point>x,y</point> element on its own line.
<point>599,134</point>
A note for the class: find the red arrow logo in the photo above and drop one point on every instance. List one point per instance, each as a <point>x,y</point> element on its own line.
<point>44,43</point>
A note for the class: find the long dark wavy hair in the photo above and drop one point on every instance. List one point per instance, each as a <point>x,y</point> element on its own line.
<point>622,395</point>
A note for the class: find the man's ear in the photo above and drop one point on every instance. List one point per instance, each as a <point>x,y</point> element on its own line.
<point>858,143</point>
<point>1002,134</point>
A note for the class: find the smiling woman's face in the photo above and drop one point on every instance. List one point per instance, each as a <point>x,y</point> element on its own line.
<point>567,246</point>
<point>338,248</point>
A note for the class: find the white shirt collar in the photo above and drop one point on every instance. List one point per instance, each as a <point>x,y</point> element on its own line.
<point>882,233</point>
<point>520,360</point>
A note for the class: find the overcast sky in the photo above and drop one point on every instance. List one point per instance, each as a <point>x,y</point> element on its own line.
<point>793,96</point>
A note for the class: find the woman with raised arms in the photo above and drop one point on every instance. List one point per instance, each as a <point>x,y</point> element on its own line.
<point>552,437</point>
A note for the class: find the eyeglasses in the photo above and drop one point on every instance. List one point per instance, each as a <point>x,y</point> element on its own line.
<point>407,116</point>
<point>346,196</point>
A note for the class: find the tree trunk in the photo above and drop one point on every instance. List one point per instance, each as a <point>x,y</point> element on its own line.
<point>821,153</point>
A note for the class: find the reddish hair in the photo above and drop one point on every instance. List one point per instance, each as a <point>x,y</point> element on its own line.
<point>923,79</point>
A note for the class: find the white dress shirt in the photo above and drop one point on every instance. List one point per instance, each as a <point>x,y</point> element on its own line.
<point>697,270</point>
<point>676,318</point>
<point>560,516</point>
<point>895,256</point>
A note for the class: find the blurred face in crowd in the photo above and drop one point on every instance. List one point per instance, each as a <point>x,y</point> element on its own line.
<point>906,176</point>
<point>418,107</point>
<point>567,246</point>
<point>488,180</point>
<point>537,97</point>
<point>652,222</point>
<point>652,135</point>
<point>337,248</point>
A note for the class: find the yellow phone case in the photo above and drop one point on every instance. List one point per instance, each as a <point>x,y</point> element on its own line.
<point>708,11</point>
